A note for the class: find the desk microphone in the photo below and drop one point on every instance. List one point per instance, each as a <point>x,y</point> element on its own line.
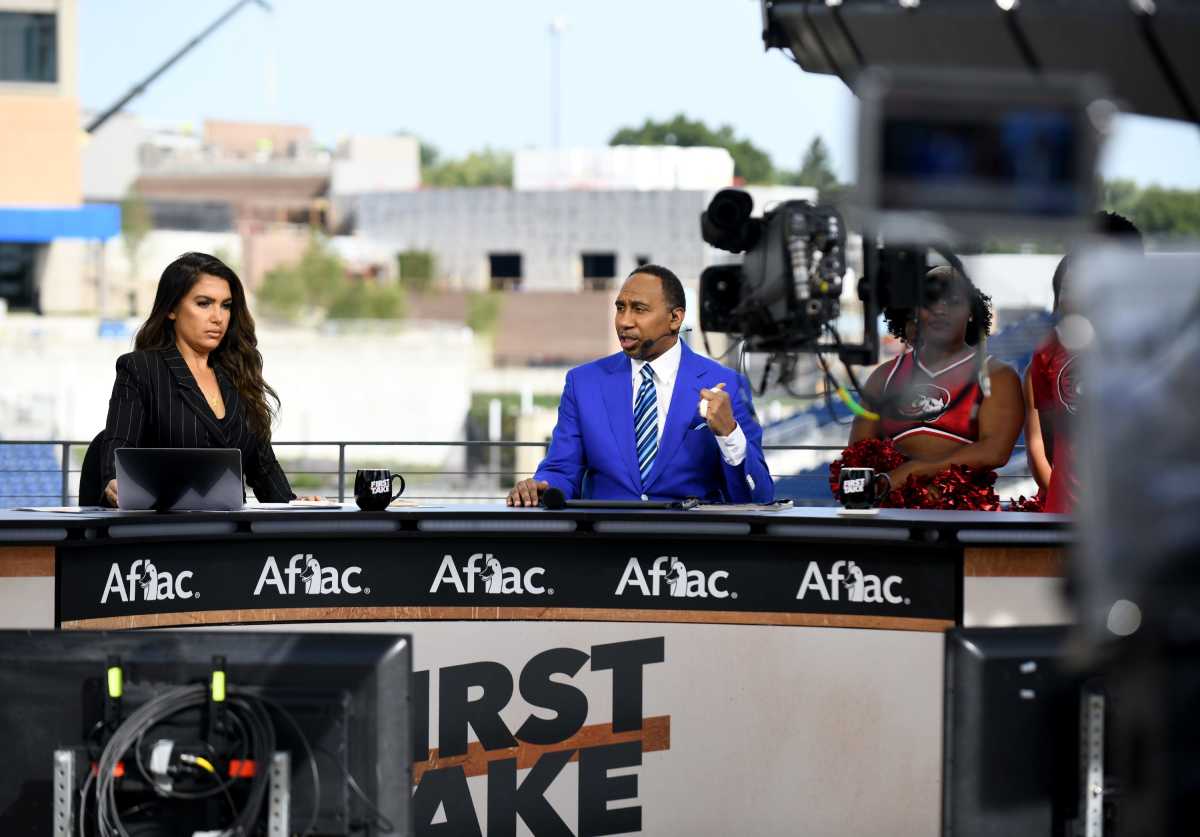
<point>554,499</point>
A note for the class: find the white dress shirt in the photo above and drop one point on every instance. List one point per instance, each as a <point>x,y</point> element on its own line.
<point>665,368</point>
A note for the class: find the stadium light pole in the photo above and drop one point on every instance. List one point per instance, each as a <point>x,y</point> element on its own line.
<point>557,27</point>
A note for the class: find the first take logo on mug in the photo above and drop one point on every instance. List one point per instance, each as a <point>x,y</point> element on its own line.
<point>856,487</point>
<point>373,488</point>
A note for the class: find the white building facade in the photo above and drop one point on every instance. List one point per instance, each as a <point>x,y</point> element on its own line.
<point>544,240</point>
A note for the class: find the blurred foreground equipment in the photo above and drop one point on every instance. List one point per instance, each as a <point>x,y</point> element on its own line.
<point>1143,49</point>
<point>1136,577</point>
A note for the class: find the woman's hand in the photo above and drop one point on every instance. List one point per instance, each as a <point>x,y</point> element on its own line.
<point>110,493</point>
<point>899,476</point>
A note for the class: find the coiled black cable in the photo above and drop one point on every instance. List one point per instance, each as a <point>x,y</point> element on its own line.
<point>251,717</point>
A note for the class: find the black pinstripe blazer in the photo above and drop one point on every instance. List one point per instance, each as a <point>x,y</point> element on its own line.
<point>156,403</point>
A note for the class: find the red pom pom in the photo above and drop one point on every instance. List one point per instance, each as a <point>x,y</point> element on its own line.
<point>957,488</point>
<point>1022,503</point>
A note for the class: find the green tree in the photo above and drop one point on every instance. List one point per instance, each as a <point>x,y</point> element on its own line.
<point>318,282</point>
<point>1157,212</point>
<point>359,300</point>
<point>483,309</point>
<point>429,155</point>
<point>1167,212</point>
<point>1120,195</point>
<point>816,170</point>
<point>351,303</point>
<point>479,168</point>
<point>282,293</point>
<point>385,302</point>
<point>321,272</point>
<point>750,163</point>
<point>417,269</point>
<point>136,224</point>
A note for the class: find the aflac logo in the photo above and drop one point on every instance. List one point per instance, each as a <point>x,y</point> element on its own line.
<point>143,575</point>
<point>681,582</point>
<point>859,586</point>
<point>317,580</point>
<point>494,577</point>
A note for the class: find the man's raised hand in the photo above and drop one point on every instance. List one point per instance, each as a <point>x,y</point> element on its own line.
<point>717,410</point>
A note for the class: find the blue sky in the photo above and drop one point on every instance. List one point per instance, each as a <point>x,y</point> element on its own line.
<point>467,74</point>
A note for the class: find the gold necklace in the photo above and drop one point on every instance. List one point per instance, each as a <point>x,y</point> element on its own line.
<point>214,401</point>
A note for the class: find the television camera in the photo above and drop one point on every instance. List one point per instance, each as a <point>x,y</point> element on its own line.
<point>944,164</point>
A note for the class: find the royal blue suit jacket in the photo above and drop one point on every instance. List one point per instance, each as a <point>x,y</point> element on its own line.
<point>594,437</point>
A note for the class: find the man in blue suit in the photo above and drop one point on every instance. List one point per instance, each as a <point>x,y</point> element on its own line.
<point>656,421</point>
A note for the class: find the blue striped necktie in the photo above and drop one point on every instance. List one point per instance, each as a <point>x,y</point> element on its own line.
<point>645,422</point>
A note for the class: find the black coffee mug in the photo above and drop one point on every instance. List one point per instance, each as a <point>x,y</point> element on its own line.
<point>373,488</point>
<point>856,487</point>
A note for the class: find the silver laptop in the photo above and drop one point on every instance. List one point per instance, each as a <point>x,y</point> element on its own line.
<point>179,479</point>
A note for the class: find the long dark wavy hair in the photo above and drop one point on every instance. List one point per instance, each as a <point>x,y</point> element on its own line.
<point>237,355</point>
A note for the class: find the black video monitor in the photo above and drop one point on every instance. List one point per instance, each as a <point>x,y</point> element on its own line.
<point>1011,733</point>
<point>336,703</point>
<point>983,155</point>
<point>1019,160</point>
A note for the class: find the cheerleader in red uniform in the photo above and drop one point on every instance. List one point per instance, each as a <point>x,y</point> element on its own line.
<point>929,399</point>
<point>1052,391</point>
<point>1051,385</point>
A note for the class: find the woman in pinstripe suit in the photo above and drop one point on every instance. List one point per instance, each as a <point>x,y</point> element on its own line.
<point>195,378</point>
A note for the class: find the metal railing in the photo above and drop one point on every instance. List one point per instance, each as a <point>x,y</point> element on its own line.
<point>473,481</point>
